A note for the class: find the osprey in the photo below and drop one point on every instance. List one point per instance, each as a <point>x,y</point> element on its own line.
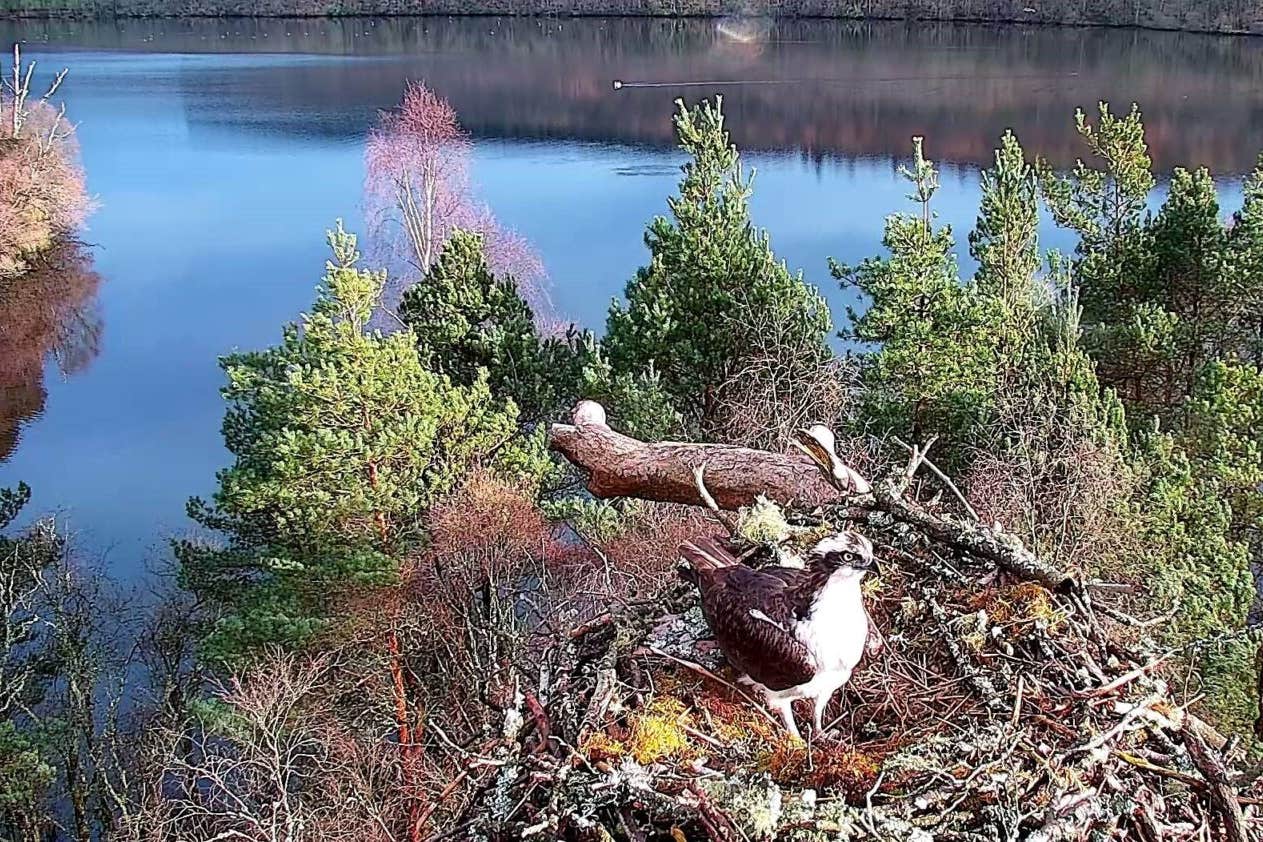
<point>792,633</point>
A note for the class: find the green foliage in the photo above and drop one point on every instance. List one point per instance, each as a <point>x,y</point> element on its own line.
<point>1243,260</point>
<point>713,295</point>
<point>524,461</point>
<point>1163,294</point>
<point>596,521</point>
<point>639,404</point>
<point>1193,563</point>
<point>1224,431</point>
<point>1005,239</point>
<point>26,780</point>
<point>934,370</point>
<point>1104,202</point>
<point>341,439</point>
<point>467,320</point>
<point>12,501</point>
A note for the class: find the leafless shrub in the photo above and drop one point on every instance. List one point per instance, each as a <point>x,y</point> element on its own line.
<point>784,383</point>
<point>418,190</point>
<point>488,579</point>
<point>43,194</point>
<point>641,558</point>
<point>770,397</point>
<point>277,764</point>
<point>1050,484</point>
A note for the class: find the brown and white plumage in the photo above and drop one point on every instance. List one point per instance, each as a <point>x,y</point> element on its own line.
<point>792,633</point>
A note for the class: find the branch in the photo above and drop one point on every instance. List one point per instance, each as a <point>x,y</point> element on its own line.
<point>1222,794</point>
<point>621,466</point>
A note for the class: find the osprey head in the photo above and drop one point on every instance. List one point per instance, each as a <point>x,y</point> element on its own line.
<point>844,551</point>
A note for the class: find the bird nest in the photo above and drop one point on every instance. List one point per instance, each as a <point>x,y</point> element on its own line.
<point>997,707</point>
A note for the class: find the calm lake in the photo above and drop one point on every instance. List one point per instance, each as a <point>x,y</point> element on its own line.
<point>221,150</point>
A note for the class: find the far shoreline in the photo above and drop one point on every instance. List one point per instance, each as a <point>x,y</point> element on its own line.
<point>1192,17</point>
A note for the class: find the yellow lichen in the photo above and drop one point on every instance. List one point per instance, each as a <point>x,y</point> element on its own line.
<point>601,746</point>
<point>1020,604</point>
<point>658,730</point>
<point>762,523</point>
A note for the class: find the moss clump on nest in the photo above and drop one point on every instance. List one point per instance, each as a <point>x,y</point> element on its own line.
<point>658,732</point>
<point>763,523</point>
<point>827,765</point>
<point>1019,605</point>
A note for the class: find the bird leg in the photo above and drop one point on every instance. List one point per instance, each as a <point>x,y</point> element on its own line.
<point>821,701</point>
<point>785,707</point>
<point>817,712</point>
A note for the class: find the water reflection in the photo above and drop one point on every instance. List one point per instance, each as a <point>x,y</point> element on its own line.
<point>824,88</point>
<point>47,315</point>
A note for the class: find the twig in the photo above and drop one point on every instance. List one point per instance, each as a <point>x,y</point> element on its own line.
<point>425,815</point>
<point>1222,794</point>
<point>1125,678</point>
<point>725,520</point>
<point>1173,774</point>
<point>944,478</point>
<point>1017,703</point>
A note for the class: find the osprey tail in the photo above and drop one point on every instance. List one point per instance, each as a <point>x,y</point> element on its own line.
<point>703,555</point>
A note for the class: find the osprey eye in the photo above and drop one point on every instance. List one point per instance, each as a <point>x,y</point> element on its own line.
<point>849,557</point>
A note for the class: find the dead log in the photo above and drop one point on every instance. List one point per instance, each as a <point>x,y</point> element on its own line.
<point>618,465</point>
<point>621,466</point>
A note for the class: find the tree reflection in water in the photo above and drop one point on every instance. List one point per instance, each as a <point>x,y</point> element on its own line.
<point>48,317</point>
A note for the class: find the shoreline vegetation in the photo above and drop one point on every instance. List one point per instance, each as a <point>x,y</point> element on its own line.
<point>43,195</point>
<point>1213,16</point>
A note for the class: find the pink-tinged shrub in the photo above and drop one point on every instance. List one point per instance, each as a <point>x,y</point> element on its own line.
<point>43,195</point>
<point>417,190</point>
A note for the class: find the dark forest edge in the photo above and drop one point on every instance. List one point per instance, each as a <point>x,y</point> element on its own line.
<point>402,618</point>
<point>1216,16</point>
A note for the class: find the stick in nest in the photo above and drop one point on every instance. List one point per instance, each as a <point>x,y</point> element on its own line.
<point>705,673</point>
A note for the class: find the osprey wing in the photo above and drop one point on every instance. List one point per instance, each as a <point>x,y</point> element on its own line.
<point>750,615</point>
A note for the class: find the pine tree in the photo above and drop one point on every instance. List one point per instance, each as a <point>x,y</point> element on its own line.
<point>341,439</point>
<point>1005,241</point>
<point>1244,261</point>
<point>1163,295</point>
<point>1193,565</point>
<point>934,370</point>
<point>713,286</point>
<point>1223,429</point>
<point>467,320</point>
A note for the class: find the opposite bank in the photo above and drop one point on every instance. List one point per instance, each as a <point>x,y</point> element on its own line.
<point>1240,16</point>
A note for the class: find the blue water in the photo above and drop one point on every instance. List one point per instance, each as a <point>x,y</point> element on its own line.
<point>218,166</point>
